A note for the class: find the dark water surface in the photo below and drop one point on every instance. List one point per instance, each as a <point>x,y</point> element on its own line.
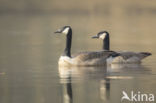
<point>29,51</point>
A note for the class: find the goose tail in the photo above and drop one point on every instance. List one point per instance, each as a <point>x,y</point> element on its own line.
<point>145,54</point>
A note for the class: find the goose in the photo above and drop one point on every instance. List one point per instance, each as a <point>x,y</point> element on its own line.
<point>82,58</point>
<point>125,56</point>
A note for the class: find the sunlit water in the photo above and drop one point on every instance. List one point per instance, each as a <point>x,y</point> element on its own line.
<point>30,50</point>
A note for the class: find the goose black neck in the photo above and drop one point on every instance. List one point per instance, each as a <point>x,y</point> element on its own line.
<point>68,44</point>
<point>106,43</point>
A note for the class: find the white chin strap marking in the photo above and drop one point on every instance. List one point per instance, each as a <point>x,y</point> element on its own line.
<point>65,31</point>
<point>103,36</point>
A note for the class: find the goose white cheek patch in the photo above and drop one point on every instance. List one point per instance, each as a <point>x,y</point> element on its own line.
<point>65,31</point>
<point>102,36</point>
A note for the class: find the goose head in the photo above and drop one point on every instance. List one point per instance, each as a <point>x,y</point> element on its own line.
<point>101,35</point>
<point>68,32</point>
<point>104,35</point>
<point>64,30</point>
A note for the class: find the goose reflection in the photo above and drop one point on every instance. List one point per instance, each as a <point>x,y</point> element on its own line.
<point>72,74</point>
<point>128,69</point>
<point>67,91</point>
<point>66,82</point>
<point>105,89</point>
<point>82,72</point>
<point>101,75</point>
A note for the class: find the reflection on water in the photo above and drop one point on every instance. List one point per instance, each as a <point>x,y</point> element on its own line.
<point>68,94</point>
<point>82,72</point>
<point>101,72</point>
<point>105,89</point>
<point>104,76</point>
<point>68,76</point>
<point>67,91</point>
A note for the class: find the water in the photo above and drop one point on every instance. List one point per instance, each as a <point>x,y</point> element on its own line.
<point>30,50</point>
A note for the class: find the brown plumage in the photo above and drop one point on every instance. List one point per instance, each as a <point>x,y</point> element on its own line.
<point>87,58</point>
<point>130,57</point>
<point>140,55</point>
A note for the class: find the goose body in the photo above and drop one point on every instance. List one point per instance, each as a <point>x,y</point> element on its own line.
<point>82,58</point>
<point>87,58</point>
<point>124,56</point>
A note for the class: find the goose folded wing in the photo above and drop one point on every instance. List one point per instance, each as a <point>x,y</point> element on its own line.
<point>140,55</point>
<point>85,56</point>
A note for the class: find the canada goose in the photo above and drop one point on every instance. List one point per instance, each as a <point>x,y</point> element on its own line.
<point>83,58</point>
<point>125,57</point>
